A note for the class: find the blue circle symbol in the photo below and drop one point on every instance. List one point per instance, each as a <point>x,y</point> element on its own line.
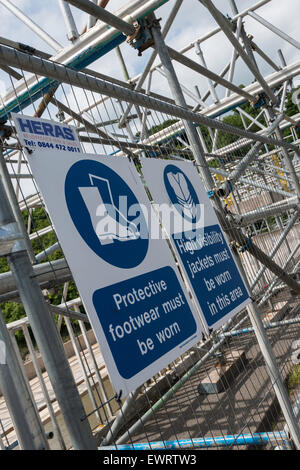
<point>182,193</point>
<point>106,214</point>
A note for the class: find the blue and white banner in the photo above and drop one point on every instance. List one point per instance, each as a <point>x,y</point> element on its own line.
<point>36,134</point>
<point>200,245</point>
<point>129,283</point>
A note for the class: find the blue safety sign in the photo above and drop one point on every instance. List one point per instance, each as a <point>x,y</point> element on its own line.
<point>101,205</point>
<point>130,286</point>
<point>199,243</point>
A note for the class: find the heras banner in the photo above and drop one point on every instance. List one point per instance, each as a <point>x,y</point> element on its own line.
<point>129,283</point>
<point>197,238</point>
<point>43,134</point>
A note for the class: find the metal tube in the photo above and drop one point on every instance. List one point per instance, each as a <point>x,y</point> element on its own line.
<point>225,26</point>
<point>244,163</point>
<point>270,288</point>
<point>254,121</point>
<point>142,420</point>
<point>266,174</point>
<point>48,251</point>
<point>122,62</point>
<point>267,326</point>
<point>191,64</point>
<point>60,73</point>
<point>81,365</point>
<point>253,183</point>
<point>119,421</point>
<point>216,30</point>
<point>11,72</point>
<point>274,29</point>
<point>33,26</point>
<point>203,63</point>
<point>48,340</point>
<point>264,212</point>
<point>15,389</point>
<point>43,273</point>
<point>39,374</point>
<point>15,206</point>
<point>266,58</point>
<point>95,366</point>
<point>284,64</point>
<point>276,379</point>
<point>102,14</point>
<point>234,55</point>
<point>177,94</point>
<point>52,351</point>
<point>204,442</point>
<point>91,19</point>
<point>152,58</point>
<point>215,84</point>
<point>2,446</point>
<point>144,131</point>
<point>21,363</point>
<point>69,20</point>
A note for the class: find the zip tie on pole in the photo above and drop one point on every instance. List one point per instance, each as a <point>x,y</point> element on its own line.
<point>116,397</point>
<point>261,101</point>
<point>230,185</point>
<point>246,245</point>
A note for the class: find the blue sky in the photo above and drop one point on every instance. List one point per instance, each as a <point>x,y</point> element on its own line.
<point>192,21</point>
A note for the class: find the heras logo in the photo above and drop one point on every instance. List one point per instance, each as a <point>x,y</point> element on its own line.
<point>106,213</point>
<point>46,128</point>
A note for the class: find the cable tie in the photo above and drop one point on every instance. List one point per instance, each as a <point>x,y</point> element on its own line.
<point>246,245</point>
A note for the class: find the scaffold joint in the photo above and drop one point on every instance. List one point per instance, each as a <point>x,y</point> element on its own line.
<point>142,38</point>
<point>25,48</point>
<point>246,245</point>
<point>261,101</point>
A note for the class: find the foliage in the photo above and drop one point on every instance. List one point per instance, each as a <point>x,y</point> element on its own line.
<point>294,378</point>
<point>13,311</point>
<point>291,108</point>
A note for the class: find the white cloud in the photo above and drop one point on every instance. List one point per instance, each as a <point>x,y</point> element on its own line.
<point>193,21</point>
<point>2,87</point>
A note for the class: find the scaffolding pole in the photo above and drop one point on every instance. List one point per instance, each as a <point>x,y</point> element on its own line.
<point>47,338</point>
<point>15,389</point>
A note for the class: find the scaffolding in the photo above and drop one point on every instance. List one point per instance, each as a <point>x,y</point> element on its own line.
<point>244,141</point>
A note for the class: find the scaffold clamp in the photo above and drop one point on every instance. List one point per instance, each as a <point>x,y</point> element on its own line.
<point>246,245</point>
<point>142,38</point>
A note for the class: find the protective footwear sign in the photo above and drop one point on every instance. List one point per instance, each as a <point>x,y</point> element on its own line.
<point>129,283</point>
<point>199,242</point>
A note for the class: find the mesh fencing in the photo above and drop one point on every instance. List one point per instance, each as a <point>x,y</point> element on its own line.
<point>184,405</point>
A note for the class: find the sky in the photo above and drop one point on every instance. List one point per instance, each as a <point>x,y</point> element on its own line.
<point>192,22</point>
